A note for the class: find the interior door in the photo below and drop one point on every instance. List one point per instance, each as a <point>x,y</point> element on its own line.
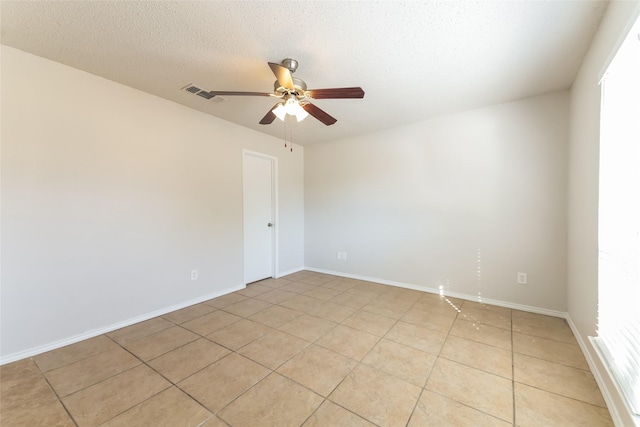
<point>259,216</point>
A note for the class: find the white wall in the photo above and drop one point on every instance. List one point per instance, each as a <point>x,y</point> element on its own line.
<point>110,197</point>
<point>464,201</point>
<point>583,192</point>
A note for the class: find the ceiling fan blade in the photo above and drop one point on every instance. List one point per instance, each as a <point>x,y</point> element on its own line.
<point>336,93</point>
<point>269,117</point>
<point>231,93</point>
<point>319,114</point>
<point>283,75</point>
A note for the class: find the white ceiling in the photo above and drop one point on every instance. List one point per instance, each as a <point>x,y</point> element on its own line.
<point>415,60</point>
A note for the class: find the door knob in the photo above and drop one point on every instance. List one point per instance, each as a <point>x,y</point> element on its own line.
<point>269,225</point>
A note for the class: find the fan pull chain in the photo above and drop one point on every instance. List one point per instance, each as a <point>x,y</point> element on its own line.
<point>288,131</point>
<point>291,139</point>
<point>285,132</point>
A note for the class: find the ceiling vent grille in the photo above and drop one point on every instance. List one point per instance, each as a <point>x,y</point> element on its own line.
<point>202,93</point>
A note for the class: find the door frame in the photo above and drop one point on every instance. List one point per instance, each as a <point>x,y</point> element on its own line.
<point>274,210</point>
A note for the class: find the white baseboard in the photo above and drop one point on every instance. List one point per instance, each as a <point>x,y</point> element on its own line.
<point>610,392</point>
<point>99,331</point>
<point>506,304</point>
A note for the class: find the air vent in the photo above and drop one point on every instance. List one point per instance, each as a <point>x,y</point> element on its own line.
<point>205,95</point>
<point>202,93</point>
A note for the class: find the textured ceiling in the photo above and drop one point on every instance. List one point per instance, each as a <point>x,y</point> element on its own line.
<point>415,60</point>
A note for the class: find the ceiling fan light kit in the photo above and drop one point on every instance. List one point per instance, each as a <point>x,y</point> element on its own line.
<point>294,96</point>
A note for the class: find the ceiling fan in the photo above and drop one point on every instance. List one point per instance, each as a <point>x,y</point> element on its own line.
<point>295,97</point>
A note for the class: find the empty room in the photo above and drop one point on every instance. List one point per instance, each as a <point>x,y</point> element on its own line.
<point>320,213</point>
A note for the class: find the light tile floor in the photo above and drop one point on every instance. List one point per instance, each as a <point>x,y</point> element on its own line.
<point>314,350</point>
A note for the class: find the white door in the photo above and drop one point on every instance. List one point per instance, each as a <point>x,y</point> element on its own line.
<point>259,215</point>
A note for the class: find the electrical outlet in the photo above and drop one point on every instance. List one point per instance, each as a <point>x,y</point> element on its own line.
<point>194,274</point>
<point>522,278</point>
<point>344,256</point>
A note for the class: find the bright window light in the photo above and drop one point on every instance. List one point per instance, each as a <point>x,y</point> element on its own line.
<point>618,341</point>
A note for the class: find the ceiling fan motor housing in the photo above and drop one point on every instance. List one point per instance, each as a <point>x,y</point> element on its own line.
<point>291,64</point>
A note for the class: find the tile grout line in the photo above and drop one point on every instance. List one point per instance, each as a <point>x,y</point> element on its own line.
<point>424,387</point>
<point>55,393</point>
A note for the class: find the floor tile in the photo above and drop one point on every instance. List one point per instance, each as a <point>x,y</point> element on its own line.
<point>480,390</point>
<point>275,283</point>
<point>220,383</point>
<point>402,361</point>
<point>438,304</point>
<point>392,309</point>
<point>211,322</point>
<point>276,296</point>
<point>214,422</point>
<point>317,368</point>
<point>27,400</point>
<point>225,300</point>
<point>404,294</point>
<point>551,350</point>
<point>253,289</point>
<point>308,327</point>
<point>378,397</point>
<point>418,337</point>
<point>102,401</point>
<point>169,408</point>
<point>535,407</point>
<point>247,307</point>
<point>479,313</point>
<point>369,322</point>
<point>76,376</point>
<point>274,401</point>
<point>554,328</point>
<point>556,378</point>
<point>330,414</point>
<point>294,277</point>
<point>317,280</point>
<point>368,287</point>
<point>140,330</point>
<point>340,284</point>
<point>162,342</point>
<point>481,333</point>
<point>322,293</point>
<point>422,316</point>
<point>299,287</point>
<point>355,300</point>
<point>348,341</point>
<point>434,410</point>
<point>188,313</point>
<point>477,355</point>
<point>275,316</point>
<point>273,349</point>
<point>72,353</point>
<point>239,334</point>
<point>443,300</point>
<point>302,303</point>
<point>182,362</point>
<point>333,312</point>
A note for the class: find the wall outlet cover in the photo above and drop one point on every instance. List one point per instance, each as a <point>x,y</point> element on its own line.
<point>522,278</point>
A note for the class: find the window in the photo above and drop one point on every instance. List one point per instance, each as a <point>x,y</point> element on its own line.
<point>618,341</point>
